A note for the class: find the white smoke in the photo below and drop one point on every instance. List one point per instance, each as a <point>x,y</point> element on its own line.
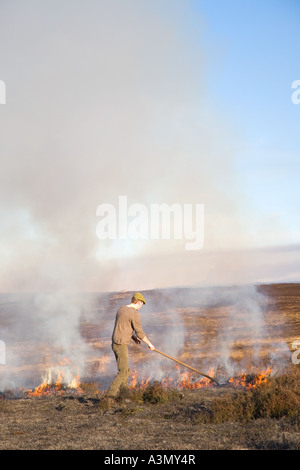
<point>104,99</point>
<point>61,316</point>
<point>42,338</point>
<point>220,331</point>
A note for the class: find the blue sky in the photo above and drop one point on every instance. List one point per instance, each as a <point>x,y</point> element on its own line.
<point>253,49</point>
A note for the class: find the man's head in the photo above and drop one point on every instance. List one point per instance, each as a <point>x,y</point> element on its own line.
<point>138,300</point>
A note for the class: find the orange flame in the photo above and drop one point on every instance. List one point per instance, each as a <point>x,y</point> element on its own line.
<point>75,383</point>
<point>133,379</point>
<point>48,387</point>
<point>249,381</point>
<point>182,380</point>
<point>186,380</point>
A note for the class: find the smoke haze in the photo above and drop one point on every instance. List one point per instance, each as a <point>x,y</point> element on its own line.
<point>107,99</point>
<point>104,99</point>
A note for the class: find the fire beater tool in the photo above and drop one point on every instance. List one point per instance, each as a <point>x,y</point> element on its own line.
<point>185,365</point>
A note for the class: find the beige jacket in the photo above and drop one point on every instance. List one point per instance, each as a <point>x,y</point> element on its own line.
<point>127,321</point>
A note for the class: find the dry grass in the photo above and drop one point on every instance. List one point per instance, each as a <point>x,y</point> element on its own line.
<point>278,397</point>
<point>157,394</point>
<point>155,417</point>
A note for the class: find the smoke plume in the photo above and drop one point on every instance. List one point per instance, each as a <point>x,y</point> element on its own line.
<point>106,99</point>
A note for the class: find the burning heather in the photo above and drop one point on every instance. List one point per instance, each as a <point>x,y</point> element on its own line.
<point>233,335</point>
<point>51,386</point>
<point>180,381</point>
<point>187,380</point>
<point>249,381</point>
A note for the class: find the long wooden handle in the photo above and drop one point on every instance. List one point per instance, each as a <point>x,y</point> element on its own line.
<point>185,365</point>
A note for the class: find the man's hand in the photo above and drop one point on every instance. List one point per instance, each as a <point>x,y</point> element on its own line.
<point>136,339</point>
<point>149,344</point>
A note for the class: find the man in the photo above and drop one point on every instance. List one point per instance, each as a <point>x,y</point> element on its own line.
<point>127,326</point>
